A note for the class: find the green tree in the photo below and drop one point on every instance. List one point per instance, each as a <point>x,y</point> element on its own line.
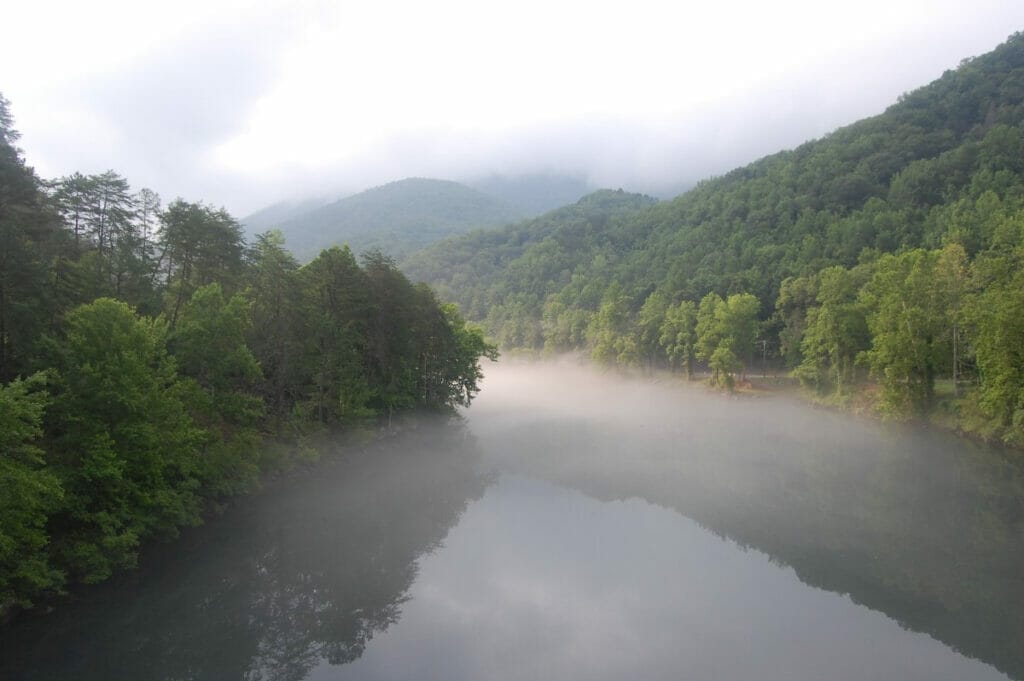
<point>209,347</point>
<point>796,296</point>
<point>30,494</point>
<point>906,320</point>
<point>836,332</point>
<point>740,325</point>
<point>30,240</point>
<point>338,308</point>
<point>276,337</point>
<point>709,329</point>
<point>951,282</point>
<point>994,315</point>
<point>679,335</point>
<point>200,245</point>
<point>457,372</point>
<point>650,319</point>
<point>999,348</point>
<point>610,332</point>
<point>726,331</point>
<point>124,445</point>
<point>392,347</point>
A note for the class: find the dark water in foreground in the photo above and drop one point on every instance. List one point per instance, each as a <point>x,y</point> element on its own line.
<point>584,527</point>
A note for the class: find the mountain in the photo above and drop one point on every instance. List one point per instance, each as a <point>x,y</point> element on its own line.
<point>534,194</point>
<point>278,213</point>
<point>873,185</point>
<point>891,250</point>
<point>396,218</point>
<point>523,263</point>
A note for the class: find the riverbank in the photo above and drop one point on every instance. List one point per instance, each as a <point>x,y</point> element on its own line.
<point>282,462</point>
<point>952,413</point>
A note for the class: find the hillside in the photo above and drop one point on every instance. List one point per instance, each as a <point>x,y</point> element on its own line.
<point>836,231</point>
<point>520,264</point>
<point>534,194</point>
<point>275,214</point>
<point>396,218</point>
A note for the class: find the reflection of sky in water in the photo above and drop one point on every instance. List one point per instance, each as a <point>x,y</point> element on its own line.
<point>401,559</point>
<point>537,582</point>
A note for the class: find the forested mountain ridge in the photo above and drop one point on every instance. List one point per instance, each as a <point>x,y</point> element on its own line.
<point>395,218</point>
<point>822,252</point>
<point>534,194</point>
<point>153,363</point>
<point>275,214</point>
<point>472,268</point>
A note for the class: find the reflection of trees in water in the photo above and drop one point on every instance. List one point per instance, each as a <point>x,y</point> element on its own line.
<point>924,527</point>
<point>306,572</point>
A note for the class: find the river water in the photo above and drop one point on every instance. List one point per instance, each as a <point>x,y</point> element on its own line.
<point>577,525</point>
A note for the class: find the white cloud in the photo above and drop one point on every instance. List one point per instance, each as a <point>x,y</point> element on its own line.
<point>237,102</point>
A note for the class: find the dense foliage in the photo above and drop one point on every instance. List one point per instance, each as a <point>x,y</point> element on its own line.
<point>888,252</point>
<point>151,362</point>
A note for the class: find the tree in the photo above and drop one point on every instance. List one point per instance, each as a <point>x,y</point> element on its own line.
<point>708,329</point>
<point>679,335</point>
<point>610,334</point>
<point>73,196</point>
<point>906,321</point>
<point>796,296</point>
<point>951,280</point>
<point>209,347</point>
<point>726,331</point>
<point>738,318</point>
<point>649,321</point>
<point>99,210</point>
<point>338,307</point>
<point>29,242</point>
<point>201,245</point>
<point>110,218</point>
<point>836,332</point>
<point>30,494</point>
<point>124,446</point>
<point>391,343</point>
<point>994,316</point>
<point>276,337</point>
<point>461,373</point>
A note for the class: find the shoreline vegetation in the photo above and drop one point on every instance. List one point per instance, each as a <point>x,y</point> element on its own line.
<point>864,402</point>
<point>882,263</point>
<point>148,350</point>
<point>295,460</point>
<point>861,400</point>
<point>153,364</point>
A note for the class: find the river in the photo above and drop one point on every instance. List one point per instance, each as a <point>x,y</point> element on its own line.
<point>578,525</point>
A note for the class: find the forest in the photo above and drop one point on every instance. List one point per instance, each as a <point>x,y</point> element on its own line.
<point>880,264</point>
<point>153,364</point>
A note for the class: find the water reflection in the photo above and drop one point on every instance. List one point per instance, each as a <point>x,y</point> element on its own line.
<point>922,526</point>
<point>540,582</point>
<point>298,576</point>
<point>613,546</point>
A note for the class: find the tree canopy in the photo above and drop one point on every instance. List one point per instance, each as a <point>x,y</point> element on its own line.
<point>152,363</point>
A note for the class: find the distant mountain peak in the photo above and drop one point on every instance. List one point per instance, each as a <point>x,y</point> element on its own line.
<point>396,218</point>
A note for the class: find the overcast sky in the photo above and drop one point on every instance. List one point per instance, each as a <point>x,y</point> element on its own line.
<point>241,103</point>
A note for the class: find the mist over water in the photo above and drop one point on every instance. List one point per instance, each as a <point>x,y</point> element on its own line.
<point>584,525</point>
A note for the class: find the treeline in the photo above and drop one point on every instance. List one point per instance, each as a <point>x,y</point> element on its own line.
<point>152,362</point>
<point>881,258</point>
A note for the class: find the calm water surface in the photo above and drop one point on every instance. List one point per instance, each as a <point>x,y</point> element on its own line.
<point>579,526</point>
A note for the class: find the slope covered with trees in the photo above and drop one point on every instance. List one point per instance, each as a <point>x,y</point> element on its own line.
<point>152,363</point>
<point>534,194</point>
<point>887,253</point>
<point>396,218</point>
<point>505,275</point>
